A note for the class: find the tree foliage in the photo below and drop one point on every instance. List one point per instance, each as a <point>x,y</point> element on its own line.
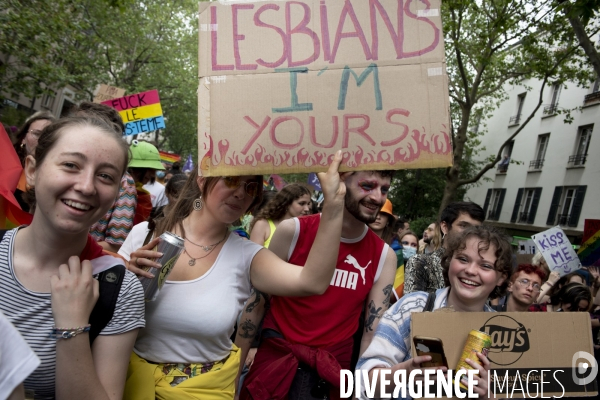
<point>492,43</point>
<point>137,46</point>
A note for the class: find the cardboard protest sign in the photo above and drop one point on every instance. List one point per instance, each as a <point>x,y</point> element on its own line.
<point>557,250</point>
<point>533,354</point>
<point>589,252</point>
<point>285,84</point>
<point>106,92</point>
<point>141,112</point>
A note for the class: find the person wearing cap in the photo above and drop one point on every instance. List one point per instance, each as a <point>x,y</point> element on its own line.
<point>145,161</point>
<point>384,224</point>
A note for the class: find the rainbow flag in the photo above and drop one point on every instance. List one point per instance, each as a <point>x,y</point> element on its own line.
<point>589,252</point>
<point>169,158</point>
<point>11,214</point>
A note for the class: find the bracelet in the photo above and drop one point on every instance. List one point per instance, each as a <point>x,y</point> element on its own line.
<point>68,333</point>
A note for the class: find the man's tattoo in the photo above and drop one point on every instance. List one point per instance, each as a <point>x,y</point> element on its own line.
<point>387,291</point>
<point>373,313</point>
<point>247,329</point>
<point>251,305</point>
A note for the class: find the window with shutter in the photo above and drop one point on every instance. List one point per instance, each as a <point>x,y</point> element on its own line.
<point>554,206</point>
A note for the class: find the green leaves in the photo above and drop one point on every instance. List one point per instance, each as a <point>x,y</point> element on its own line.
<point>491,44</point>
<point>138,46</point>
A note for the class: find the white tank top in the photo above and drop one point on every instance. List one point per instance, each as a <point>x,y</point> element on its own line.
<point>192,321</point>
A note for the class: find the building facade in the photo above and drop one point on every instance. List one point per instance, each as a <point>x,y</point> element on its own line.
<point>550,174</point>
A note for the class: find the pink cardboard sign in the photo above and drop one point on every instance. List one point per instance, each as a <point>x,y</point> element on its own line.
<point>285,84</point>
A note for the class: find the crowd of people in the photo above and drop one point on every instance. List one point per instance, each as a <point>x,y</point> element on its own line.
<point>272,295</point>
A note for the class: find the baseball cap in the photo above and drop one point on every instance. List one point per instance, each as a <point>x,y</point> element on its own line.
<point>387,207</point>
<point>144,155</point>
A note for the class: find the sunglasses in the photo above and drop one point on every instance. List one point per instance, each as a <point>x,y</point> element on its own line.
<point>234,182</point>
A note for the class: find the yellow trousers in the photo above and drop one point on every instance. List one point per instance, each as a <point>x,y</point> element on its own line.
<point>146,381</point>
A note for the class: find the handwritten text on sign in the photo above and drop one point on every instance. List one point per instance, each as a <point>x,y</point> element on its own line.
<point>141,112</point>
<point>285,84</point>
<point>557,251</point>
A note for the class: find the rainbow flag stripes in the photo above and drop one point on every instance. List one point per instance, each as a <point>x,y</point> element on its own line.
<point>141,112</point>
<point>589,252</point>
<point>169,158</point>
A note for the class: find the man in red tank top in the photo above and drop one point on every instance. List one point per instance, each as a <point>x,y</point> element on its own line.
<point>307,340</point>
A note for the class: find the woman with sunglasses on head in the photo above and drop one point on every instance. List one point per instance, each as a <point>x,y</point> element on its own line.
<point>476,263</point>
<point>185,349</point>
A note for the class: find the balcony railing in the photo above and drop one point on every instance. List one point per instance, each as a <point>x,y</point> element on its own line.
<point>515,119</point>
<point>502,168</point>
<point>536,164</point>
<point>592,98</point>
<point>563,219</point>
<point>550,109</point>
<point>523,217</point>
<point>577,160</point>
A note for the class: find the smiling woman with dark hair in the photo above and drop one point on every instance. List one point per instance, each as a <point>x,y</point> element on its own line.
<point>475,264</point>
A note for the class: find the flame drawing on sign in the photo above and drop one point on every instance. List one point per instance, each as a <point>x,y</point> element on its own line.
<point>408,150</point>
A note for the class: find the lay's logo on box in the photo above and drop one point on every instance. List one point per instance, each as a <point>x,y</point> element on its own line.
<point>508,337</point>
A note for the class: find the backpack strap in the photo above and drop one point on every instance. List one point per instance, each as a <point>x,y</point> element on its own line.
<point>430,302</point>
<point>110,286</point>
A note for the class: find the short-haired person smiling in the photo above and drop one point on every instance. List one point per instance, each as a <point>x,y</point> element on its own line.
<point>46,268</point>
<point>476,263</point>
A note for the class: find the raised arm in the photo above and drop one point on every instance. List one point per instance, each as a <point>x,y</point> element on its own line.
<point>547,286</point>
<point>270,274</point>
<point>378,300</point>
<point>100,372</point>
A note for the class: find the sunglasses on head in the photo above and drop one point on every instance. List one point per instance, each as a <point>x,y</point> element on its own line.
<point>234,182</point>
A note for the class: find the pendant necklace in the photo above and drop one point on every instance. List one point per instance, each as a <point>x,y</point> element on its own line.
<point>208,249</point>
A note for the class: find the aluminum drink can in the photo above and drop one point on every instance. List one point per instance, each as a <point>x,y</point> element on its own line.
<point>171,246</point>
<point>477,342</point>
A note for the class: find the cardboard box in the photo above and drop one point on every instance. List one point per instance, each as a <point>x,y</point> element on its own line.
<point>106,92</point>
<point>521,342</point>
<point>284,85</point>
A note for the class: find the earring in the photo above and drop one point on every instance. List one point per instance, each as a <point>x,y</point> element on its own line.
<point>198,204</point>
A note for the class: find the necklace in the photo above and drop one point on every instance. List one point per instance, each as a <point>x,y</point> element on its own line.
<point>192,261</point>
<point>209,247</point>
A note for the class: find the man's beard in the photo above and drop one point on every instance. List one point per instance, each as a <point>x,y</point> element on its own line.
<point>353,207</point>
<point>427,240</point>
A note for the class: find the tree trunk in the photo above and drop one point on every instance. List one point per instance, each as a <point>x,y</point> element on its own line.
<point>458,149</point>
<point>449,191</point>
<point>584,41</point>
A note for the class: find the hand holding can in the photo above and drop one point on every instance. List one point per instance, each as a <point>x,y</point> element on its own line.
<point>171,247</point>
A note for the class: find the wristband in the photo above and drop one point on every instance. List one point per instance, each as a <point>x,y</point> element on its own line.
<point>68,333</point>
